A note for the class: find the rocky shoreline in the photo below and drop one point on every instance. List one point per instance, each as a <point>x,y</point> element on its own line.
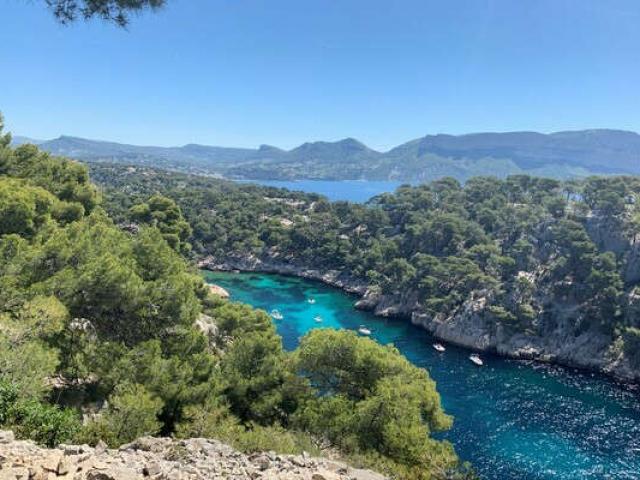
<point>468,327</point>
<point>163,459</point>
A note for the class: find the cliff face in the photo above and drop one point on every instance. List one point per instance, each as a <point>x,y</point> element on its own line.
<point>555,337</point>
<point>273,263</point>
<point>560,344</point>
<point>472,326</point>
<point>163,458</point>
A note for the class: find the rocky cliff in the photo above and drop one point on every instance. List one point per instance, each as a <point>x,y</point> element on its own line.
<point>163,458</point>
<point>470,326</point>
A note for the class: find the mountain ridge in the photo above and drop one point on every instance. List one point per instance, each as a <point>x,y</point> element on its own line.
<point>562,154</point>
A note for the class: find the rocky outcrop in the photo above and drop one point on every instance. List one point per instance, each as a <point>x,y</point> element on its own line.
<point>218,290</point>
<point>208,326</point>
<point>632,262</point>
<point>606,233</point>
<point>163,459</point>
<point>470,326</point>
<point>273,263</point>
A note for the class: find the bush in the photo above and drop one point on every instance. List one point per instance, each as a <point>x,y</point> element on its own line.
<point>214,420</point>
<point>45,424</point>
<point>48,425</point>
<point>257,438</point>
<point>8,399</point>
<point>132,413</point>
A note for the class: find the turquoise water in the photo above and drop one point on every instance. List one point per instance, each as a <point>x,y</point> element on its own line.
<point>513,420</point>
<point>357,191</point>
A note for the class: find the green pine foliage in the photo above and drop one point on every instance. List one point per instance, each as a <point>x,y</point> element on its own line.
<point>368,400</point>
<point>528,249</point>
<point>100,318</point>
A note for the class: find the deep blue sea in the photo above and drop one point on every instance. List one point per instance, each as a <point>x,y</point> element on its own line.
<point>514,420</point>
<point>357,191</point>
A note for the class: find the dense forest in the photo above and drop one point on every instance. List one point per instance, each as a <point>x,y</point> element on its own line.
<point>532,264</point>
<point>107,333</point>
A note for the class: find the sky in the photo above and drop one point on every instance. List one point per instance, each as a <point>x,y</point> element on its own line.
<point>283,72</point>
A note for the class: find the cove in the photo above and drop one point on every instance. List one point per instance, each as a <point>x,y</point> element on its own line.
<point>357,191</point>
<point>514,420</point>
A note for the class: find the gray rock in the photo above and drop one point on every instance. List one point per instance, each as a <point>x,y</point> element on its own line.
<point>64,467</point>
<point>164,459</point>
<point>299,461</point>
<point>262,462</point>
<point>74,449</point>
<point>152,469</point>
<point>113,473</point>
<point>14,473</point>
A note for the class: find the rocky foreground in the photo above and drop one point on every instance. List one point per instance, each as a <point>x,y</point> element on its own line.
<point>163,458</point>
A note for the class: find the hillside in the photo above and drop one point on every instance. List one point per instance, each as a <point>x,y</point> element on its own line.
<point>526,267</point>
<point>108,333</point>
<point>558,155</point>
<point>196,158</point>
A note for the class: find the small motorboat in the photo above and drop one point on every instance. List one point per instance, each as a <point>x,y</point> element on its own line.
<point>439,347</point>
<point>318,319</point>
<point>311,300</point>
<point>276,315</point>
<point>362,330</point>
<point>475,358</point>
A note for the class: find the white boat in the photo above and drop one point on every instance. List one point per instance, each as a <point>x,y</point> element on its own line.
<point>475,358</point>
<point>439,347</point>
<point>276,315</point>
<point>311,300</point>
<point>318,319</point>
<point>362,330</point>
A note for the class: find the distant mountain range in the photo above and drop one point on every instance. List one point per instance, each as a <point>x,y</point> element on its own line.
<point>561,155</point>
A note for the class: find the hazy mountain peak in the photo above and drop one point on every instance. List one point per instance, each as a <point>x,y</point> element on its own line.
<point>346,144</point>
<point>77,139</point>
<point>264,148</point>
<point>352,143</point>
<point>560,154</point>
<point>271,153</point>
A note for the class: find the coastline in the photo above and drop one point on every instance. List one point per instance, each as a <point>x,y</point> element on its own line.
<point>468,328</point>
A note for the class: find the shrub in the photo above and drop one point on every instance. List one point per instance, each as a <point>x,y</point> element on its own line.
<point>132,413</point>
<point>46,424</point>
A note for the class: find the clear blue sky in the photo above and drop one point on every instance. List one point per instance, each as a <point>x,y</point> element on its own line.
<point>246,72</point>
